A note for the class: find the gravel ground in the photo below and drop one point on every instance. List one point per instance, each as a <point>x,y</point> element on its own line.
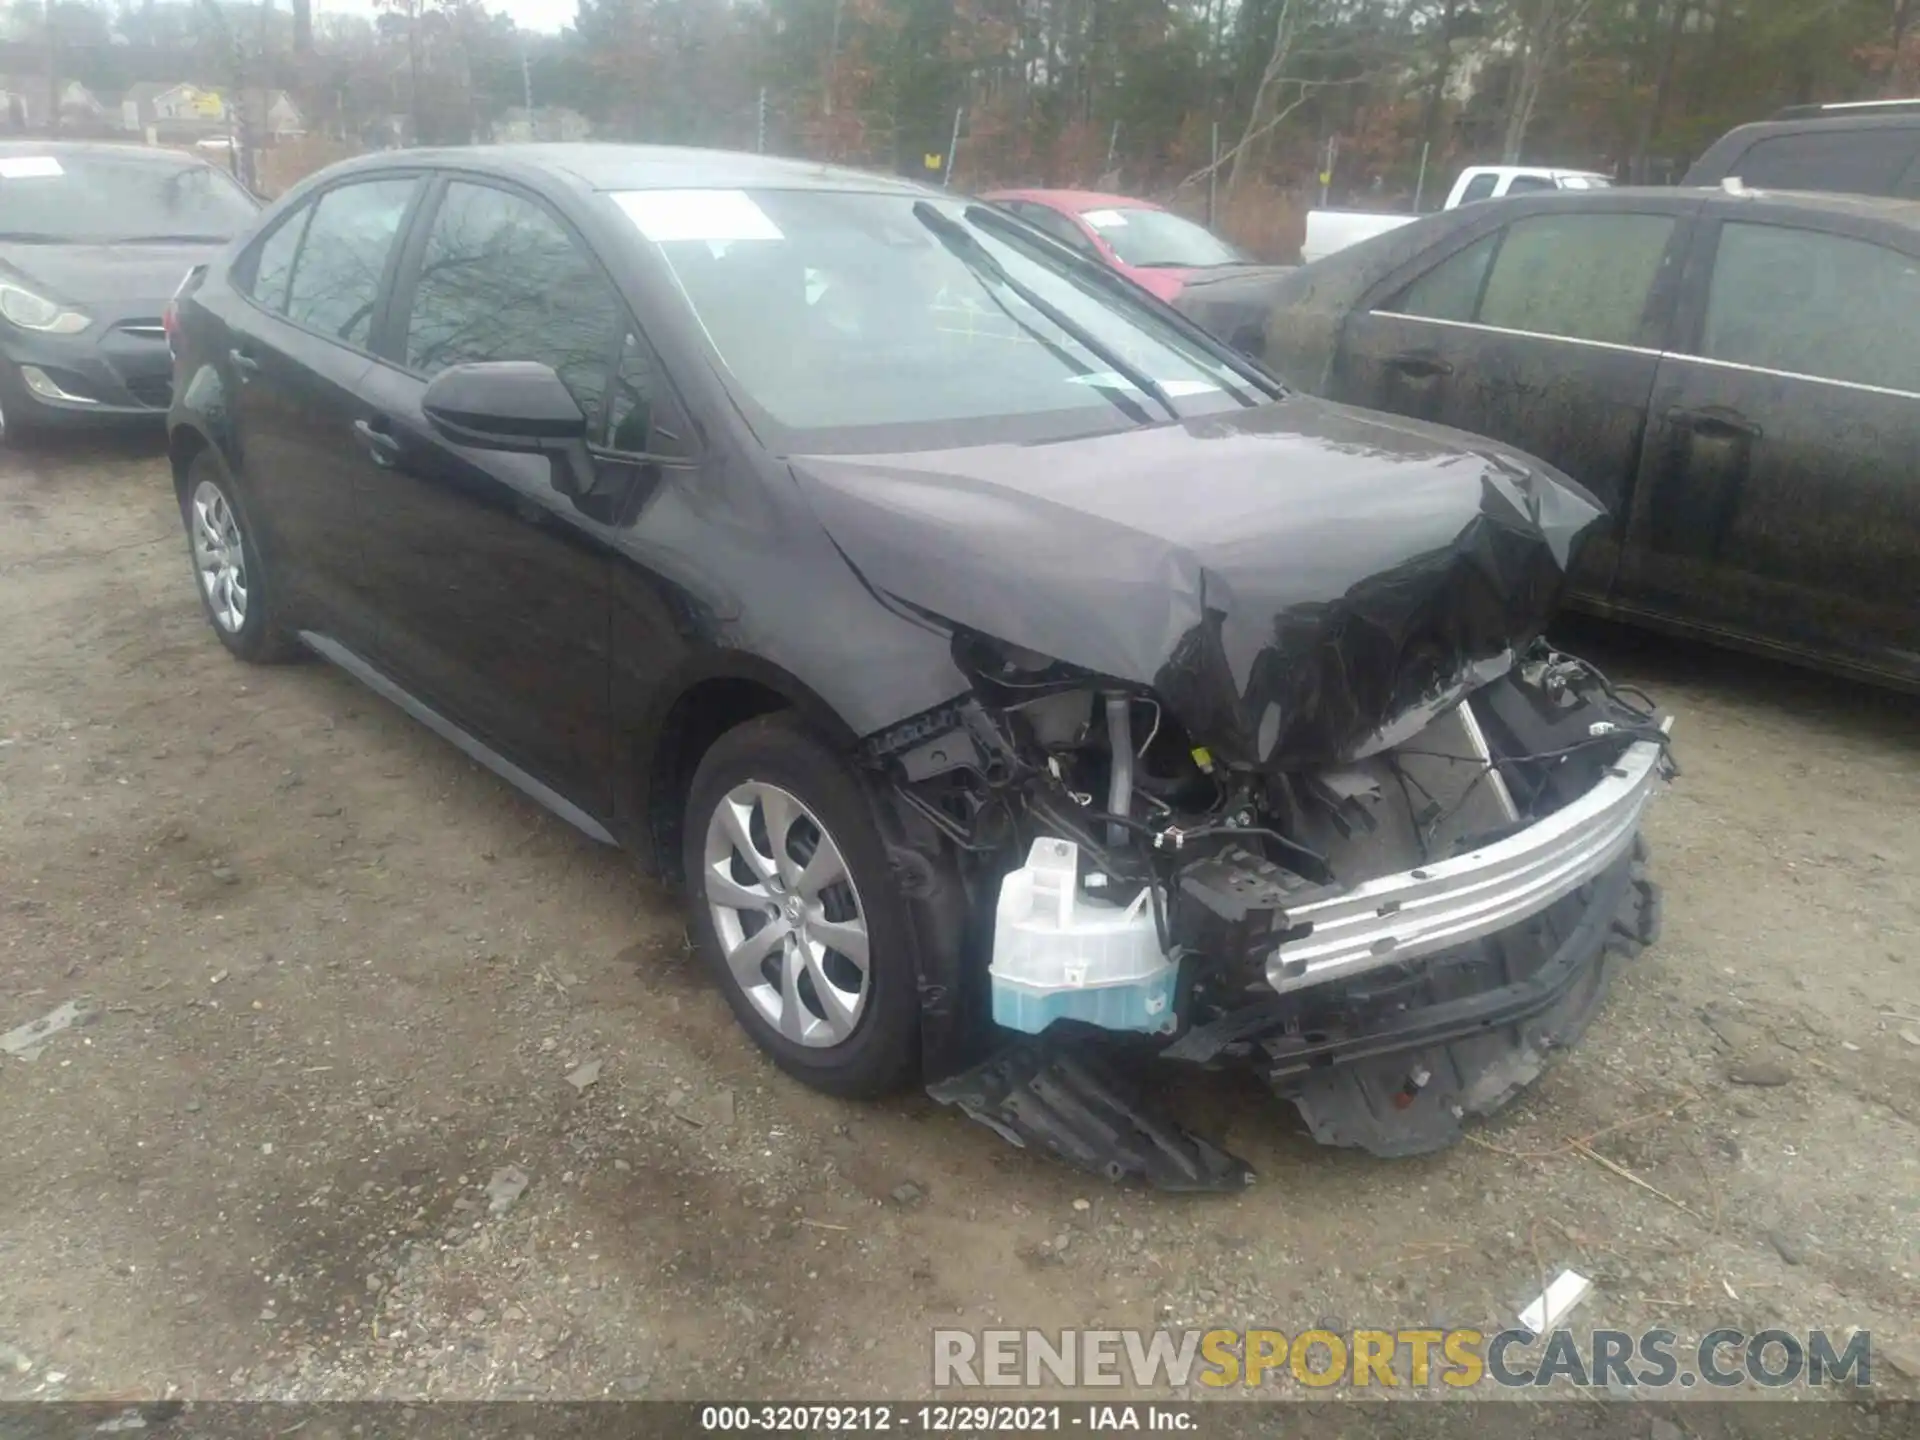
<point>339,978</point>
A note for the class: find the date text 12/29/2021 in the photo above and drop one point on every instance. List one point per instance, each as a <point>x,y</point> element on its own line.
<point>949,1419</point>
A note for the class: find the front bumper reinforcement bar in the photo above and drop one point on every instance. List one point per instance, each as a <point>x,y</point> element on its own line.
<point>1446,903</point>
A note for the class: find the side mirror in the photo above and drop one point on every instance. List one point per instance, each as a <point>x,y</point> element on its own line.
<point>513,405</point>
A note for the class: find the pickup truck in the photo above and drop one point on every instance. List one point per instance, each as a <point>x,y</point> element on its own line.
<point>1331,230</point>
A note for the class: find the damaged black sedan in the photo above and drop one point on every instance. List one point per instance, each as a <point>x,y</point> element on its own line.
<point>1030,691</point>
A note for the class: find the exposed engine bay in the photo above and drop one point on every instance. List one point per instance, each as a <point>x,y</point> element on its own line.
<point>1393,939</point>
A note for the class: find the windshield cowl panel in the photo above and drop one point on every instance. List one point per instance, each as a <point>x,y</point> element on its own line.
<point>843,320</point>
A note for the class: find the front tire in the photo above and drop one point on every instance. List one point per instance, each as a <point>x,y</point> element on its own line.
<point>796,911</point>
<point>239,598</point>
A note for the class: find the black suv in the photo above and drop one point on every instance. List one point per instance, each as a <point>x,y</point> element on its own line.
<point>1871,147</point>
<point>1019,679</point>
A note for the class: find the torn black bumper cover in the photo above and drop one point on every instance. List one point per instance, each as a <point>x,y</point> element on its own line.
<point>1389,1066</point>
<point>1044,1096</point>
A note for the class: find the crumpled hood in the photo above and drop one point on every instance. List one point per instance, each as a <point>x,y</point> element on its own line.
<point>1290,580</point>
<point>97,274</point>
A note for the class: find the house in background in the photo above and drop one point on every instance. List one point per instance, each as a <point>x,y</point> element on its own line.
<point>175,113</point>
<point>185,113</point>
<point>270,116</point>
<point>23,107</point>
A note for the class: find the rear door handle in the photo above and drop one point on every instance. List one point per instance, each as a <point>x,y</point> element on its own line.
<point>1416,366</point>
<point>381,445</point>
<point>243,362</point>
<point>1714,423</point>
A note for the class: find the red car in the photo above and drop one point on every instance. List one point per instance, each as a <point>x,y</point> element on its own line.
<point>1214,282</point>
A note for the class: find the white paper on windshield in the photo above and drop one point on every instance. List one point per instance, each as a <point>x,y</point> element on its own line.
<point>1104,219</point>
<point>714,216</point>
<point>29,167</point>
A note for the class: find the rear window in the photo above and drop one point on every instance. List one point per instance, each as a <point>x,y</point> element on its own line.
<point>1831,158</point>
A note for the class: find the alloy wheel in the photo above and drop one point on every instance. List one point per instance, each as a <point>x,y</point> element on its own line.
<point>219,556</point>
<point>787,914</point>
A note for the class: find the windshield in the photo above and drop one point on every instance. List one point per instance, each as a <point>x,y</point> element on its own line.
<point>95,198</point>
<point>837,311</point>
<point>1156,238</point>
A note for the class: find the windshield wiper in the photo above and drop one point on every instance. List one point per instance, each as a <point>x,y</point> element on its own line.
<point>971,253</point>
<point>34,237</point>
<point>1093,272</point>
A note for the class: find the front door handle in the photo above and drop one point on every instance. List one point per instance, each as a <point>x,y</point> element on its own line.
<point>1714,423</point>
<point>1416,366</point>
<point>243,362</point>
<point>381,445</point>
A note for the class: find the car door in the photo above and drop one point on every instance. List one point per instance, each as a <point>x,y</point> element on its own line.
<point>1779,498</point>
<point>1543,332</point>
<point>493,586</point>
<point>299,321</point>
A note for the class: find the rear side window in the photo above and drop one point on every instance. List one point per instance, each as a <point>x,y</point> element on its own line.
<point>273,261</point>
<point>1529,184</point>
<point>336,276</point>
<point>1581,275</point>
<point>1814,304</point>
<point>502,279</point>
<point>1843,159</point>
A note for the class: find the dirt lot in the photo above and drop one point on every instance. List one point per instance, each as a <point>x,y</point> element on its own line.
<point>342,977</point>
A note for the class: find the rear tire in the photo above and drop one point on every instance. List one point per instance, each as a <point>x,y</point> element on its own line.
<point>237,594</point>
<point>796,911</point>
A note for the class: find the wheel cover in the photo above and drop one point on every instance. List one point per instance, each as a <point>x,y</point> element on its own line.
<point>789,919</point>
<point>218,556</point>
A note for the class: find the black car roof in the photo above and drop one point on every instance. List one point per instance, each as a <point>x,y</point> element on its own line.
<point>645,167</point>
<point>1847,109</point>
<point>1901,212</point>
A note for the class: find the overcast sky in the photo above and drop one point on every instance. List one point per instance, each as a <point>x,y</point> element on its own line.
<point>527,14</point>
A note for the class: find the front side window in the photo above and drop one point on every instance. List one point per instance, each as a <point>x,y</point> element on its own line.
<point>1582,275</point>
<point>118,198</point>
<point>1451,290</point>
<point>336,275</point>
<point>501,279</point>
<point>1152,239</point>
<point>834,311</point>
<point>1814,304</point>
<point>639,417</point>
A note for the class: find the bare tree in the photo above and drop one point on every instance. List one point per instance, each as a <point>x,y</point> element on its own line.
<point>1897,69</point>
<point>1446,25</point>
<point>1541,28</point>
<point>1651,116</point>
<point>1265,95</point>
